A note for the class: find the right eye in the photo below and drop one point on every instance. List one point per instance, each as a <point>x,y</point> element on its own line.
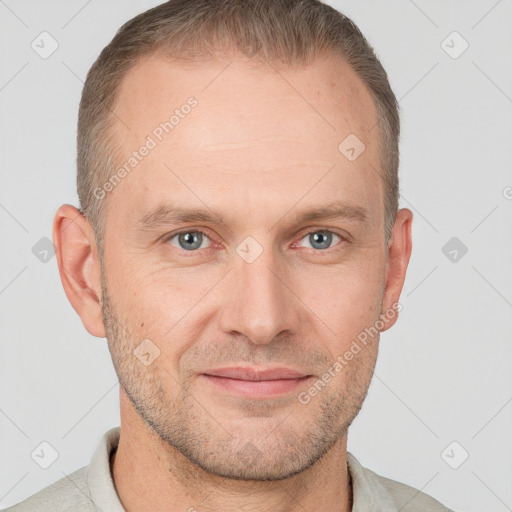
<point>188,240</point>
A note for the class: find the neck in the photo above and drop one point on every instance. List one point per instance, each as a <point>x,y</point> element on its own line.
<point>149,474</point>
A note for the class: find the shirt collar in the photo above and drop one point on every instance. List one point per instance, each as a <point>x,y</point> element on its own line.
<point>99,478</point>
<point>368,494</point>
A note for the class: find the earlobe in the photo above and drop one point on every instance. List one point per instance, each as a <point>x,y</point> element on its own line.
<point>399,253</point>
<point>79,266</point>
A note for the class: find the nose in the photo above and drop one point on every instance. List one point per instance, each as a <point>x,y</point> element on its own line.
<point>260,302</point>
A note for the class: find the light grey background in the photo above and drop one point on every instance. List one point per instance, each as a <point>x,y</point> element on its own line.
<point>444,370</point>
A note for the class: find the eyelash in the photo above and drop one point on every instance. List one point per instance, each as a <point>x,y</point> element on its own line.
<point>194,252</point>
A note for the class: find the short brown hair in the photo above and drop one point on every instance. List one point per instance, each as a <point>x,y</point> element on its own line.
<point>290,32</point>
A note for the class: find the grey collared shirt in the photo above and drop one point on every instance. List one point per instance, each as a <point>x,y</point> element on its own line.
<point>92,489</point>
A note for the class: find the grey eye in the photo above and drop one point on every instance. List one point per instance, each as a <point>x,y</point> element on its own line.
<point>189,240</point>
<point>320,239</point>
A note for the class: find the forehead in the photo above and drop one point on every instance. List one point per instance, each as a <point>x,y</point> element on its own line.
<point>327,90</point>
<point>223,128</point>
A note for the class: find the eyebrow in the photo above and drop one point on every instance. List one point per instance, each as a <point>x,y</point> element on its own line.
<point>166,214</point>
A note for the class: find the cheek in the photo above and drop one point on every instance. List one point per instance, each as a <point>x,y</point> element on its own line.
<point>162,304</point>
<point>346,299</point>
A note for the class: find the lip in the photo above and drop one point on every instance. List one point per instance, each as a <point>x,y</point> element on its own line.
<point>256,374</point>
<point>256,383</point>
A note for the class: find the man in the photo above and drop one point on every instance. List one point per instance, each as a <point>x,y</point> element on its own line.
<point>240,246</point>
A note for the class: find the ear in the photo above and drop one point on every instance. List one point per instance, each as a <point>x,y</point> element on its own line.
<point>79,266</point>
<point>399,253</point>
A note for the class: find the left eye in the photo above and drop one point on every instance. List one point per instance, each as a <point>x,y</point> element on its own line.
<point>320,239</point>
<point>189,240</point>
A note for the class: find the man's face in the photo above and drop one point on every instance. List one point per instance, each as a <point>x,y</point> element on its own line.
<point>263,290</point>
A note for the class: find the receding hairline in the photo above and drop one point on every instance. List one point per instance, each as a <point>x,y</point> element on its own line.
<point>291,32</point>
<point>232,55</point>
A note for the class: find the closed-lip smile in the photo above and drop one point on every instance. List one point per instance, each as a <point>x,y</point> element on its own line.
<point>256,383</point>
<point>255,374</point>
